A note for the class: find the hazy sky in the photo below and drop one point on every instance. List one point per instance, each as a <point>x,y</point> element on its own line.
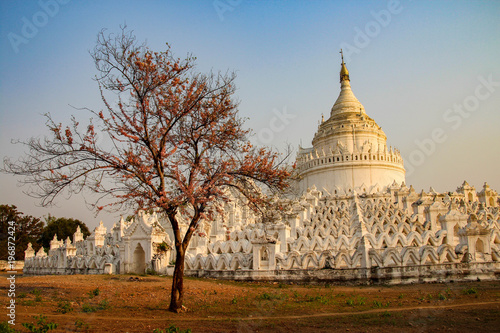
<point>427,72</point>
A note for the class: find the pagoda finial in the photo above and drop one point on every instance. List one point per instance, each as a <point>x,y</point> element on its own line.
<point>344,73</point>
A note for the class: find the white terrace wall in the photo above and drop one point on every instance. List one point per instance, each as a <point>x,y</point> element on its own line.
<point>390,236</point>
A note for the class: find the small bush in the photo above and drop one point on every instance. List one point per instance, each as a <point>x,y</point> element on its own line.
<point>87,308</point>
<point>42,325</point>
<point>81,325</point>
<point>103,305</point>
<point>470,291</point>
<point>441,297</point>
<point>64,307</point>
<point>320,299</point>
<point>377,304</point>
<point>171,329</point>
<point>353,301</point>
<point>22,295</point>
<point>6,327</point>
<point>94,292</point>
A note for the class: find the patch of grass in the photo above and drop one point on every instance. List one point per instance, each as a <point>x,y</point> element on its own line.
<point>41,325</point>
<point>38,298</point>
<point>441,297</point>
<point>22,295</point>
<point>470,291</point>
<point>353,301</point>
<point>6,327</point>
<point>171,329</point>
<point>27,302</point>
<point>82,326</point>
<point>401,296</point>
<point>88,308</point>
<point>36,292</point>
<point>270,297</point>
<point>319,298</point>
<point>377,304</point>
<point>103,305</point>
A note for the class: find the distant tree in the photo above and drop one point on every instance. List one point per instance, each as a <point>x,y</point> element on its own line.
<point>172,143</point>
<point>63,228</point>
<point>27,229</point>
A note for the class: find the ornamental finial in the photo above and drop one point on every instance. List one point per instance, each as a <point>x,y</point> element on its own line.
<point>344,73</point>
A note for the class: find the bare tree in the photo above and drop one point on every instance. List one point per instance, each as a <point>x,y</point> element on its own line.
<point>173,142</point>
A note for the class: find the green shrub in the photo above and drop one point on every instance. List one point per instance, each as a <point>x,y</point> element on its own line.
<point>81,325</point>
<point>94,292</point>
<point>269,297</point>
<point>64,307</point>
<point>356,301</point>
<point>87,308</point>
<point>43,326</point>
<point>103,305</point>
<point>470,291</point>
<point>171,329</point>
<point>6,327</point>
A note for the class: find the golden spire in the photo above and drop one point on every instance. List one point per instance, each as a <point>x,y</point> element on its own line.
<point>344,73</point>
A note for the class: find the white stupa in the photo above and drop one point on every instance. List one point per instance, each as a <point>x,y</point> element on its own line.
<point>349,150</point>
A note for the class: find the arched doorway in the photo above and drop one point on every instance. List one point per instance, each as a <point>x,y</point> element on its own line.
<point>479,246</point>
<point>139,265</point>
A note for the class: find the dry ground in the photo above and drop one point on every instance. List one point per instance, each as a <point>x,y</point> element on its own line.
<point>126,303</point>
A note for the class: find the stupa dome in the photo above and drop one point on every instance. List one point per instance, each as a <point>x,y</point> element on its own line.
<point>349,149</point>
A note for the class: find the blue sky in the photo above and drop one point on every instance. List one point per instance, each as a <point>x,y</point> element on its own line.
<point>413,65</point>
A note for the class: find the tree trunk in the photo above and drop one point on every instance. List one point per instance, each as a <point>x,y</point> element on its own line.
<point>178,281</point>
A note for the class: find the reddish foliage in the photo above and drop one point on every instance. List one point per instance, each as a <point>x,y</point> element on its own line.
<point>174,141</point>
